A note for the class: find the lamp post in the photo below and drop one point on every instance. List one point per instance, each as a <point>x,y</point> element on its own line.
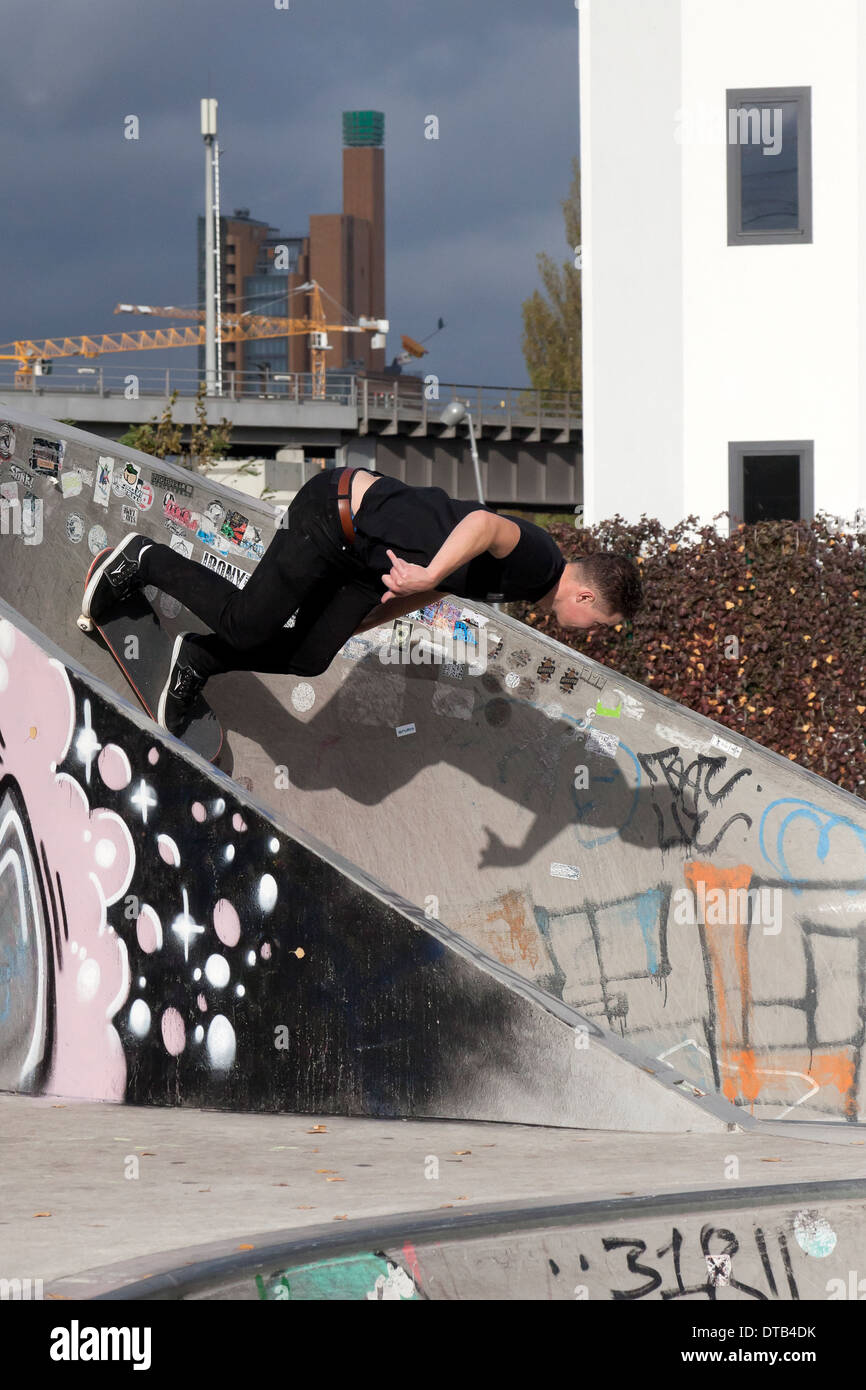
<point>454,412</point>
<point>209,130</point>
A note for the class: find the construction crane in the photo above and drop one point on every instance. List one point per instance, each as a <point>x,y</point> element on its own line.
<point>246,325</point>
<point>411,348</point>
<point>32,354</point>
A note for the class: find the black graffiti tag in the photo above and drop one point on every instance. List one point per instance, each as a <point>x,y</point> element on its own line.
<point>694,794</point>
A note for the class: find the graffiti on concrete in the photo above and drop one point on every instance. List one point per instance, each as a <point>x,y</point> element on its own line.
<point>695,793</point>
<point>121,909</point>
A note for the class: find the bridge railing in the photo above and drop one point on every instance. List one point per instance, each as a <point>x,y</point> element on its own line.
<point>506,406</point>
<point>376,398</point>
<point>160,382</point>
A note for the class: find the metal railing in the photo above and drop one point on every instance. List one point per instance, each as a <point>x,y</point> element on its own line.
<point>492,406</point>
<point>376,398</point>
<point>161,382</point>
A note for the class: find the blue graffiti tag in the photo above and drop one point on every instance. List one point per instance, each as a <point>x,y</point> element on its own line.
<point>826,822</point>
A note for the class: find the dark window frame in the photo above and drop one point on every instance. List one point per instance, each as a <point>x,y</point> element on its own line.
<point>739,450</point>
<point>737,97</point>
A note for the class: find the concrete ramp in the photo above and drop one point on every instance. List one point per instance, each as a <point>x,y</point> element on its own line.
<point>683,910</point>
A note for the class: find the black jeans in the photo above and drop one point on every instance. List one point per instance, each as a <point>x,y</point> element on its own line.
<point>307,569</point>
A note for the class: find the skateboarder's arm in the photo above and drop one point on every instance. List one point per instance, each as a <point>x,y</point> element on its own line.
<point>477,532</point>
<point>396,607</point>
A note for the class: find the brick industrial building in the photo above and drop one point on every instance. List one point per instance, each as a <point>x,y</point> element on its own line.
<point>344,252</point>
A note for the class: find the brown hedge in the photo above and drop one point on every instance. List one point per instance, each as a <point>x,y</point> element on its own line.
<point>793,594</point>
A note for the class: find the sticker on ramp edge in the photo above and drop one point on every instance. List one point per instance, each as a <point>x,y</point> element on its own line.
<point>46,456</point>
<point>71,484</point>
<point>143,495</point>
<point>726,747</point>
<point>183,546</point>
<point>7,440</point>
<point>234,526</point>
<point>75,527</point>
<point>163,480</point>
<point>130,474</point>
<point>102,482</point>
<point>97,539</point>
<point>598,742</point>
<point>129,515</point>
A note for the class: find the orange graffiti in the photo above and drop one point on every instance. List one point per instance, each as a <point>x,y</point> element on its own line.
<point>745,1074</point>
<point>732,991</point>
<point>511,909</point>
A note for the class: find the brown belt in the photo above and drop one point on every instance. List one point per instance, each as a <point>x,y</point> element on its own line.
<point>344,505</point>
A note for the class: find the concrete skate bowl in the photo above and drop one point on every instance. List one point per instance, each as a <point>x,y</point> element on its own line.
<point>773,1243</point>
<point>682,899</point>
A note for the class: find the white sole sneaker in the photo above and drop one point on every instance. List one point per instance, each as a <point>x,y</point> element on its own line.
<point>97,575</point>
<point>166,689</point>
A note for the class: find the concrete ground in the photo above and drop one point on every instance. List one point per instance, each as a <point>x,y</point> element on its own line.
<point>85,1185</point>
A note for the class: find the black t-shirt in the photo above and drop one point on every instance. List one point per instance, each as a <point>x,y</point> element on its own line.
<point>415,522</point>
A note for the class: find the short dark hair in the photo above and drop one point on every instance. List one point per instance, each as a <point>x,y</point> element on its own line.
<point>616,579</point>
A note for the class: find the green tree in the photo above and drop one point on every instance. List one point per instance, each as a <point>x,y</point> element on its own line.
<point>551,320</point>
<point>163,436</point>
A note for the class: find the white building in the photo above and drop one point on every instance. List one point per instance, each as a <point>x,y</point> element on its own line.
<point>724,251</point>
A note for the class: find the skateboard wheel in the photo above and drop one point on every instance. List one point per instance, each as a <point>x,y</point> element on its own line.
<point>85,623</point>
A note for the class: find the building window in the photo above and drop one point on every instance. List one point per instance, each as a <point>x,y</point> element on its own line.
<point>771,482</point>
<point>769,141</point>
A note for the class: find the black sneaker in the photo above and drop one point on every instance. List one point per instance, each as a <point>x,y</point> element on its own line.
<point>182,689</point>
<point>114,576</point>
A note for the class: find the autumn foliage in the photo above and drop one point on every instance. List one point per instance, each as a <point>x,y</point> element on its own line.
<point>792,595</point>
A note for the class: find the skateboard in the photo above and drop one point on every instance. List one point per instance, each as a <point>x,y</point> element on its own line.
<point>145,663</point>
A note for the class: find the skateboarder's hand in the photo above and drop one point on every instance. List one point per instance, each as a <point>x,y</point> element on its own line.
<point>495,854</point>
<point>404,578</point>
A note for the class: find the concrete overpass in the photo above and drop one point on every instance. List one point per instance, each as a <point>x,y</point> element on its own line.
<point>529,442</point>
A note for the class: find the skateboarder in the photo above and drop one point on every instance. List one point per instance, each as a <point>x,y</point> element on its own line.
<point>356,549</point>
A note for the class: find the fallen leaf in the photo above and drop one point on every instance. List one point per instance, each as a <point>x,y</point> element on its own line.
<point>335,1179</point>
<point>302,1208</point>
<point>245,1247</point>
<point>344,1217</point>
<point>326,1170</point>
<point>771,1160</point>
<point>445,1206</point>
<point>318,1129</point>
<point>204,1189</point>
<point>41,1213</point>
<point>460,1152</point>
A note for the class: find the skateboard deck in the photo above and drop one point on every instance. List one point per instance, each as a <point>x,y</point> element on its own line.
<point>145,664</point>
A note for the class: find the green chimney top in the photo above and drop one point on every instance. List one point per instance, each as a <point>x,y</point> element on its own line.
<point>363,128</point>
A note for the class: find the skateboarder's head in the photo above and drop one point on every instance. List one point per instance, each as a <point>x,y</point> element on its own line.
<point>597,590</point>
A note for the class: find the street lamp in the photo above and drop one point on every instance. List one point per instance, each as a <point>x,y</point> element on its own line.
<point>454,412</point>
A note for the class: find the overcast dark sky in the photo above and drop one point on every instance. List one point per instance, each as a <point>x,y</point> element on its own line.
<point>90,218</point>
